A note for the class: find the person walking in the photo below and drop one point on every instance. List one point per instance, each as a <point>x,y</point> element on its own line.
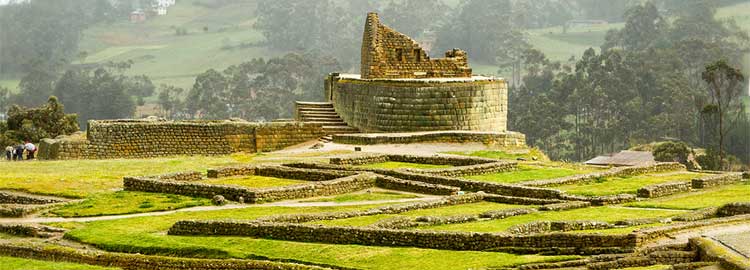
<point>19,152</point>
<point>9,153</point>
<point>30,150</point>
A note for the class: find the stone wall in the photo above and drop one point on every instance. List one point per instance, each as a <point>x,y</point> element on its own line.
<point>717,180</point>
<point>150,138</point>
<point>137,261</point>
<point>614,172</point>
<point>387,53</point>
<point>664,189</point>
<point>401,106</point>
<point>322,183</point>
<point>733,209</point>
<point>499,139</point>
<point>406,238</point>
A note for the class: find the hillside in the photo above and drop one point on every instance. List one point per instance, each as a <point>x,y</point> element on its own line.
<point>174,59</point>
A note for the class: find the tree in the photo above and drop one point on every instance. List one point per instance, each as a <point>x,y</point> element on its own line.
<point>169,101</point>
<point>47,121</point>
<point>644,26</point>
<point>725,88</point>
<point>672,152</point>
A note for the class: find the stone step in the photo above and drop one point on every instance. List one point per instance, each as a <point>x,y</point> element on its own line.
<point>319,113</point>
<point>328,123</point>
<point>322,119</point>
<point>302,105</point>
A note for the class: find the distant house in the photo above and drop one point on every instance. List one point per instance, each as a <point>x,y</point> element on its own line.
<point>137,16</point>
<point>623,158</point>
<point>162,6</point>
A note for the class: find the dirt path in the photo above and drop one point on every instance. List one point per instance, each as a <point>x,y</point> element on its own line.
<point>714,233</point>
<point>295,203</point>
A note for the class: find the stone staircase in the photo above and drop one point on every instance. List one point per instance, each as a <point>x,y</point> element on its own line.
<point>322,113</point>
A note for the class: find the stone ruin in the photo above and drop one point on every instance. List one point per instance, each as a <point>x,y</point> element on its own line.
<point>387,53</point>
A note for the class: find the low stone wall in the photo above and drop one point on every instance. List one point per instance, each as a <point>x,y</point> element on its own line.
<point>391,209</point>
<point>360,159</point>
<point>565,206</point>
<point>710,251</point>
<point>664,189</point>
<point>520,200</point>
<point>387,182</point>
<point>9,197</point>
<point>667,257</point>
<point>236,193</point>
<point>717,180</point>
<point>405,238</point>
<point>538,227</point>
<point>149,138</point>
<point>614,172</point>
<point>500,139</point>
<point>29,230</point>
<point>469,185</point>
<point>733,209</point>
<point>137,261</point>
<point>663,231</point>
<point>477,169</point>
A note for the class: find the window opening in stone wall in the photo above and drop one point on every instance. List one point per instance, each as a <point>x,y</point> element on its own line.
<point>418,55</point>
<point>400,55</point>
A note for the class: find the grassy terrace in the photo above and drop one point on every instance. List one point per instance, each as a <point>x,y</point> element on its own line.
<point>127,202</point>
<point>377,195</point>
<point>82,178</point>
<point>531,172</point>
<point>400,165</point>
<point>699,199</point>
<point>461,209</point>
<point>11,263</point>
<point>146,235</point>
<point>605,213</point>
<point>254,181</point>
<point>631,184</point>
<point>528,154</point>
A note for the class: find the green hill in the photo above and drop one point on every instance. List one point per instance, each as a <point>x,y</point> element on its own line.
<point>223,36</point>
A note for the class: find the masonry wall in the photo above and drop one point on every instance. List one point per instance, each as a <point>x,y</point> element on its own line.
<point>144,139</point>
<point>402,106</point>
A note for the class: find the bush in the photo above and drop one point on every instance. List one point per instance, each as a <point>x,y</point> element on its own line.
<point>672,152</point>
<point>47,121</point>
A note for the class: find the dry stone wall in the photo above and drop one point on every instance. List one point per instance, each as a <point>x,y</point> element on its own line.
<point>406,238</point>
<point>664,189</point>
<point>153,138</point>
<point>395,106</point>
<point>717,180</point>
<point>614,172</point>
<point>501,139</point>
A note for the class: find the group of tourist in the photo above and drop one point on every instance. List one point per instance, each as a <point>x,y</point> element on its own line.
<point>17,152</point>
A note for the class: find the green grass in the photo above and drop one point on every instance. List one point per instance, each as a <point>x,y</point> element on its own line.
<point>528,154</point>
<point>127,202</point>
<point>560,47</point>
<point>530,172</point>
<point>11,263</point>
<point>82,178</point>
<point>372,196</point>
<point>700,199</point>
<point>625,185</point>
<point>454,210</point>
<point>11,84</point>
<point>254,181</point>
<point>399,165</point>
<point>146,235</point>
<point>605,213</point>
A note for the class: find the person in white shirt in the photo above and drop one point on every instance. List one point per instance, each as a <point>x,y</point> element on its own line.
<point>30,150</point>
<point>9,152</point>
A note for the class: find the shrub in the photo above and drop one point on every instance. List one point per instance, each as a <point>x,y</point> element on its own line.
<point>672,152</point>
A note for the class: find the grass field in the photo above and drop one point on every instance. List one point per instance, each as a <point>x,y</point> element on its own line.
<point>530,172</point>
<point>81,178</point>
<point>399,165</point>
<point>254,181</point>
<point>127,202</point>
<point>605,213</point>
<point>10,263</point>
<point>700,199</point>
<point>146,235</point>
<point>628,185</point>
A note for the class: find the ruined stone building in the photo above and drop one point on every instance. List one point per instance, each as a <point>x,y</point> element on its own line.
<point>401,89</point>
<point>387,53</point>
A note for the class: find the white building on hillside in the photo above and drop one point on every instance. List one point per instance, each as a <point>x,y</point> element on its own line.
<point>162,6</point>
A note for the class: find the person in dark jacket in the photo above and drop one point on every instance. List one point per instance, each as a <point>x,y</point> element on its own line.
<point>19,152</point>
